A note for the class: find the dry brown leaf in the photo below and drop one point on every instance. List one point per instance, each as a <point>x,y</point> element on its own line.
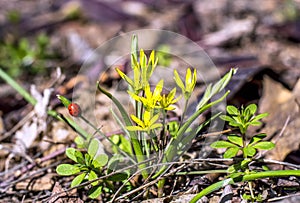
<point>281,103</point>
<point>62,197</point>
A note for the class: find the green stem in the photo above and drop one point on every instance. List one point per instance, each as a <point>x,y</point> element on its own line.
<point>25,94</point>
<point>201,172</point>
<point>17,87</point>
<point>184,112</point>
<point>133,136</point>
<point>249,177</point>
<point>107,138</point>
<point>172,148</point>
<point>160,187</point>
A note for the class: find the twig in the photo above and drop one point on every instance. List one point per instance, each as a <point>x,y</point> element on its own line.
<point>283,197</point>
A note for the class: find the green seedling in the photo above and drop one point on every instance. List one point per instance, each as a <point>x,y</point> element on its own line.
<point>22,57</point>
<point>238,143</point>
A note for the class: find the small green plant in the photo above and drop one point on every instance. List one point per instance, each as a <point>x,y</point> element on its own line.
<point>21,57</point>
<point>238,143</point>
<point>148,141</point>
<point>89,164</point>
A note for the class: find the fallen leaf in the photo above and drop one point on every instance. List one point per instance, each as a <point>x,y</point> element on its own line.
<point>281,103</point>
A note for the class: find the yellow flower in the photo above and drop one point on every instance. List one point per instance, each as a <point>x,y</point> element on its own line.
<point>190,82</point>
<point>142,71</point>
<point>168,100</point>
<point>151,100</point>
<point>146,124</point>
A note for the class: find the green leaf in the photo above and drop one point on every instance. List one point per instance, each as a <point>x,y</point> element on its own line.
<point>231,152</point>
<point>221,84</point>
<point>257,138</point>
<point>100,160</point>
<point>67,169</point>
<point>87,159</point>
<point>235,139</point>
<point>227,118</point>
<point>260,116</point>
<point>79,142</point>
<point>265,168</point>
<point>223,144</point>
<point>118,177</point>
<point>125,145</point>
<point>93,176</point>
<point>252,108</point>
<point>246,197</point>
<point>75,155</point>
<point>255,123</point>
<point>249,151</point>
<point>70,152</point>
<point>231,169</point>
<point>232,110</point>
<point>245,163</point>
<point>127,120</point>
<point>64,100</point>
<point>95,192</point>
<point>134,48</point>
<point>114,162</point>
<point>79,157</point>
<point>78,179</point>
<point>264,145</point>
<point>93,147</point>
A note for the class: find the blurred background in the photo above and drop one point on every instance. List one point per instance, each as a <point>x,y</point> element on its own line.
<point>261,38</point>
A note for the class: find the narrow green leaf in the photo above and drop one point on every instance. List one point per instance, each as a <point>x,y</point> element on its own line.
<point>95,192</point>
<point>221,84</point>
<point>78,179</point>
<point>134,48</point>
<point>235,139</point>
<point>67,169</point>
<point>232,110</point>
<point>249,177</point>
<point>24,93</point>
<point>264,145</point>
<point>93,176</point>
<point>255,123</point>
<point>223,144</point>
<point>231,152</point>
<point>260,116</point>
<point>64,100</point>
<point>87,159</point>
<point>257,138</point>
<point>227,118</point>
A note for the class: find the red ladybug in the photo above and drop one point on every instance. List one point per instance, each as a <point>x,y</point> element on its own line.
<point>74,109</point>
